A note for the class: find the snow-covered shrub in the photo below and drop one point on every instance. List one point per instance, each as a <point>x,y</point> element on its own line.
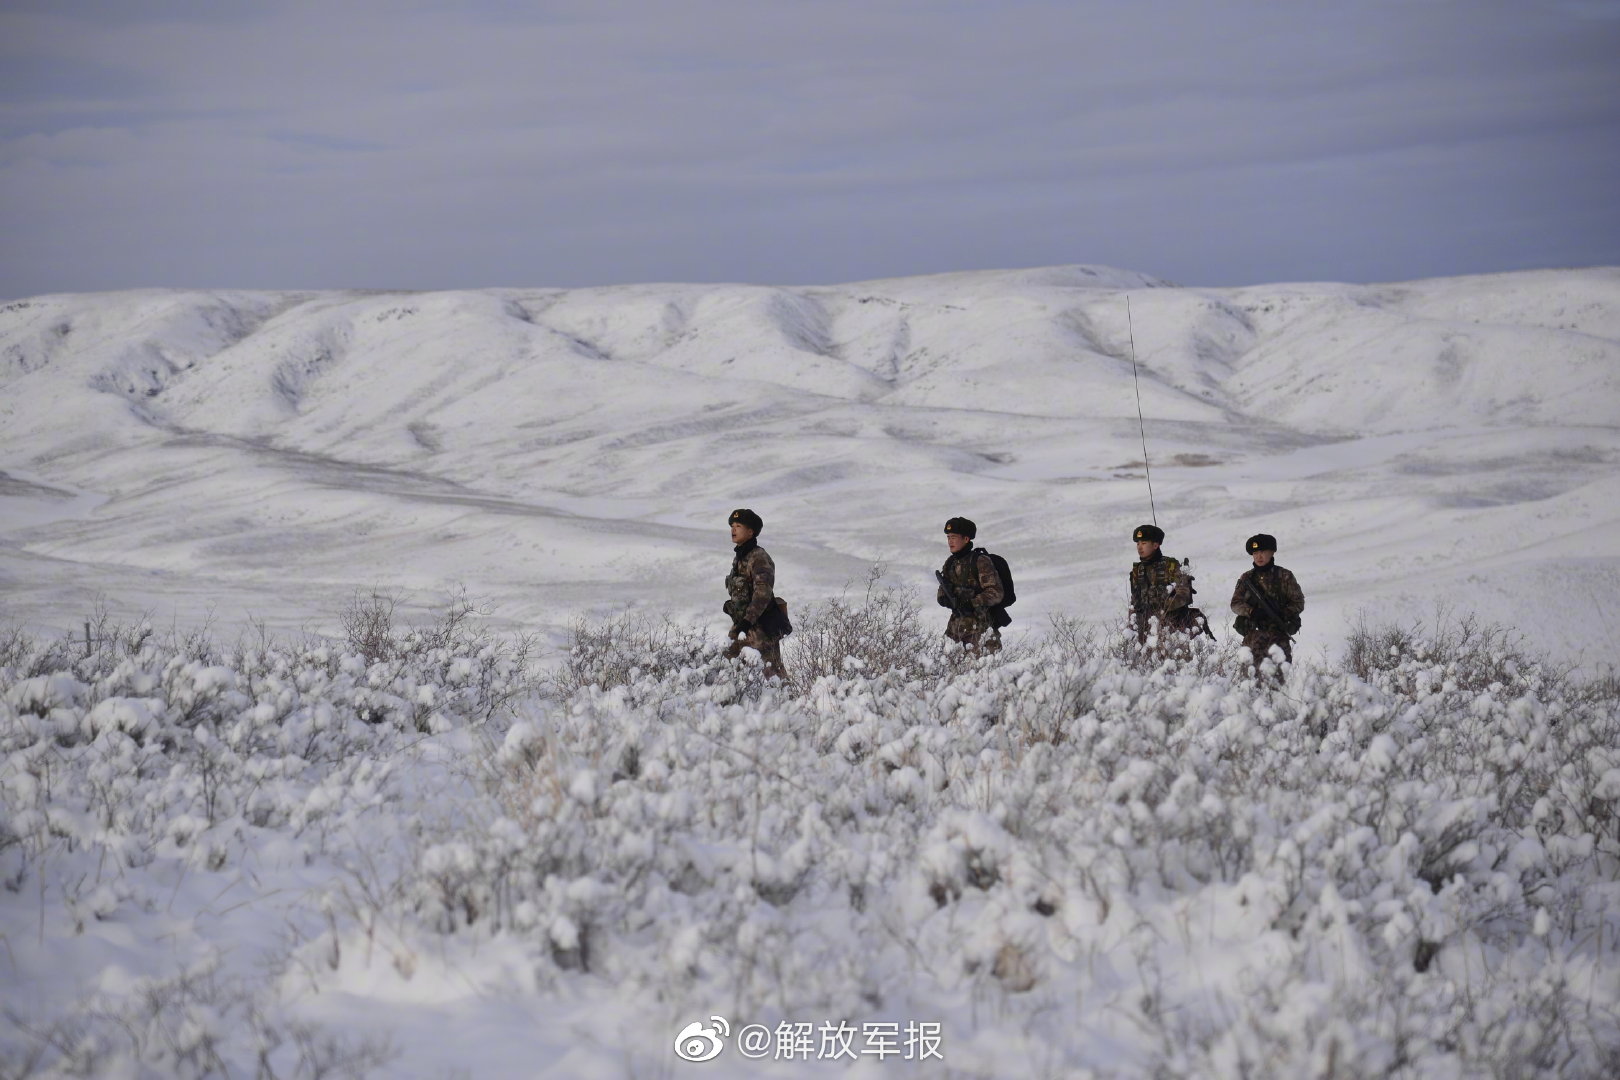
<point>15,646</point>
<point>454,656</point>
<point>1082,856</point>
<point>627,646</point>
<point>1451,652</point>
<point>145,748</point>
<point>190,1025</point>
<point>1336,876</point>
<point>879,630</point>
<point>368,624</point>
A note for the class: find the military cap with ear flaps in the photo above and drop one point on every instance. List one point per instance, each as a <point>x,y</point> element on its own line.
<point>747,518</point>
<point>961,526</point>
<point>1148,532</point>
<point>1260,542</point>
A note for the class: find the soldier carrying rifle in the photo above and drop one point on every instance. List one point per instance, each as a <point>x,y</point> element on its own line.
<point>970,586</point>
<point>1268,602</point>
<point>1161,590</point>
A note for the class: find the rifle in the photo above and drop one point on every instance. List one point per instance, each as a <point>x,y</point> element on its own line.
<point>957,606</point>
<point>1259,595</point>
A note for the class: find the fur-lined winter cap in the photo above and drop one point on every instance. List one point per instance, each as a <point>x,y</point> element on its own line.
<point>961,526</point>
<point>746,518</point>
<point>1261,542</point>
<point>1148,532</point>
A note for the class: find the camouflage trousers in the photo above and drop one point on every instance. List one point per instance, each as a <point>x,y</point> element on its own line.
<point>974,633</point>
<point>769,649</point>
<point>1259,643</point>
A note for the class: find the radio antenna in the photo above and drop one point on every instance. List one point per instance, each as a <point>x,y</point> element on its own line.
<point>1140,425</point>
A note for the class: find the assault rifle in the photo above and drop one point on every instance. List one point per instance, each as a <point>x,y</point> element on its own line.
<point>1270,612</point>
<point>957,604</point>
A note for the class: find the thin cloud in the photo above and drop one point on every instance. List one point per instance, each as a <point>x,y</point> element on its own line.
<point>786,141</point>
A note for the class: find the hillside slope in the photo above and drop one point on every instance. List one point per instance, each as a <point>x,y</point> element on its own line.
<point>558,451</point>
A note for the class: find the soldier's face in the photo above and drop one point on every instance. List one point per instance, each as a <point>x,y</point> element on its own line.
<point>1144,548</point>
<point>957,542</point>
<point>740,533</point>
<point>1263,557</point>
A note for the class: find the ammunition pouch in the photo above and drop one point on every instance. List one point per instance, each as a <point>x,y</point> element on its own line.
<point>1243,624</point>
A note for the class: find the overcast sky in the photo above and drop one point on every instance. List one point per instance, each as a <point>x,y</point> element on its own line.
<point>466,143</point>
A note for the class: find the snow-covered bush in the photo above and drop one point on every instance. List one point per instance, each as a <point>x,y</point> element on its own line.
<point>188,1026</point>
<point>456,655</point>
<point>132,750</point>
<point>879,630</point>
<point>1083,859</point>
<point>1466,653</point>
<point>1338,876</point>
<point>626,646</point>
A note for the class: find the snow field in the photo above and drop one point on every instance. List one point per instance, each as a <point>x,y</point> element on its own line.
<point>1078,860</point>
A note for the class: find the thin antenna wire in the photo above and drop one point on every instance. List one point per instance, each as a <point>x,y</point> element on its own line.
<point>1141,426</point>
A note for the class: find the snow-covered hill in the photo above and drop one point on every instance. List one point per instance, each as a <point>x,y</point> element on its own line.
<point>560,451</point>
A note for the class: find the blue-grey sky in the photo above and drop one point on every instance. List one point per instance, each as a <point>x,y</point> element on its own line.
<point>467,143</point>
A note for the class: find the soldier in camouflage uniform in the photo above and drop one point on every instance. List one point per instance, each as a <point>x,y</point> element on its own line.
<point>971,588</point>
<point>755,618</point>
<point>1268,602</point>
<point>1160,589</point>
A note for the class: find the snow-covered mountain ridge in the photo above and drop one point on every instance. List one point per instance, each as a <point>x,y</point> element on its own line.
<point>563,449</point>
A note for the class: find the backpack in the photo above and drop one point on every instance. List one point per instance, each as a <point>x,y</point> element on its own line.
<point>1009,594</point>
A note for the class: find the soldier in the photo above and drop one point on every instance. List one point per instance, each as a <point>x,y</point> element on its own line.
<point>970,586</point>
<point>1160,589</point>
<point>756,619</point>
<point>1268,602</point>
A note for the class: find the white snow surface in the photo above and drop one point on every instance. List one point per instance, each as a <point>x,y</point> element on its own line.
<point>565,451</point>
<point>224,856</point>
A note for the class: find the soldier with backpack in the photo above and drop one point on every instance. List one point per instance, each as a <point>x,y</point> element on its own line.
<point>1161,590</point>
<point>976,586</point>
<point>1268,602</point>
<point>758,616</point>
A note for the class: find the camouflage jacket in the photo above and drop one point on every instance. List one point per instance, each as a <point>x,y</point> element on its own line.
<point>1280,590</point>
<point>973,582</point>
<point>1158,588</point>
<point>751,584</point>
<point>972,587</point>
